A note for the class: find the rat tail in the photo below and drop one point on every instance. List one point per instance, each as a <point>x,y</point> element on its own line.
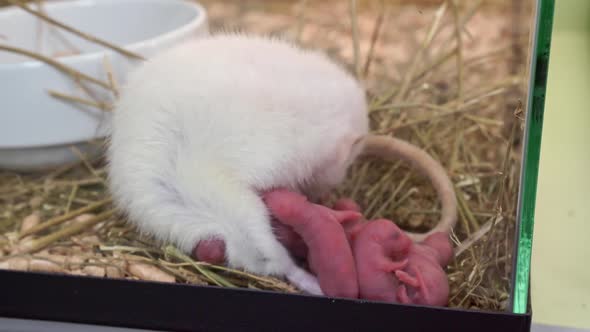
<point>391,148</point>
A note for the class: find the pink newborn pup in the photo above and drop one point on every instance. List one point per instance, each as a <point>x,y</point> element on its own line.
<point>328,252</point>
<point>424,280</point>
<point>309,231</point>
<point>380,248</point>
<point>391,268</point>
<point>374,260</point>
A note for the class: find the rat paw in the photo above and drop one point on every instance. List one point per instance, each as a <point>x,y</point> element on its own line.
<point>407,279</point>
<point>416,291</point>
<point>211,251</point>
<point>391,266</point>
<point>402,295</point>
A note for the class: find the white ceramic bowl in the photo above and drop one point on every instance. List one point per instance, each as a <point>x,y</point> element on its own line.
<point>38,130</point>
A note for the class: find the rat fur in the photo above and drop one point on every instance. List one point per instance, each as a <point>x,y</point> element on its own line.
<point>202,129</point>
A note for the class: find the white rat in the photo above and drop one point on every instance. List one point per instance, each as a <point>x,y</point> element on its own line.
<point>202,129</point>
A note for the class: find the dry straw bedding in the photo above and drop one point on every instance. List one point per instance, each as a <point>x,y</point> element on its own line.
<point>446,76</point>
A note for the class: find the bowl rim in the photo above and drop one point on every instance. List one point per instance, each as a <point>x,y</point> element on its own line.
<point>198,20</point>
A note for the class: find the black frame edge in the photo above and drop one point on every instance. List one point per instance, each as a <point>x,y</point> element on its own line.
<point>176,307</point>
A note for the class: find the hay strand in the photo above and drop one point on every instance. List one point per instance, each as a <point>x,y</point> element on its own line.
<point>70,29</point>
<point>459,126</point>
<point>63,68</point>
<point>418,56</point>
<point>374,37</point>
<point>40,243</point>
<point>58,220</point>
<point>355,37</point>
<point>70,98</point>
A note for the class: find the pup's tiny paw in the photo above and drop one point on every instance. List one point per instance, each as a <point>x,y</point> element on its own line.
<point>392,267</point>
<point>407,279</point>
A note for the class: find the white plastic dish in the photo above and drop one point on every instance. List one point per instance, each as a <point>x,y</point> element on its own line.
<point>38,130</point>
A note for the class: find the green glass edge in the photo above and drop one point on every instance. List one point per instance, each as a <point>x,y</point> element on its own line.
<point>532,149</point>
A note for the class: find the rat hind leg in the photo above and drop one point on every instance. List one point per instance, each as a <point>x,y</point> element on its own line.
<point>266,255</point>
<point>183,199</point>
<point>251,243</point>
<point>213,251</point>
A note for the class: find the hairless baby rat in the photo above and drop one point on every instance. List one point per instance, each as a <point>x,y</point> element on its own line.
<point>379,249</point>
<point>352,257</point>
<point>423,280</point>
<point>293,240</point>
<point>390,267</point>
<point>202,129</point>
<point>329,253</point>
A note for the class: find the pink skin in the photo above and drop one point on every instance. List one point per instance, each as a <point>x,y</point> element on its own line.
<point>294,242</point>
<point>213,251</point>
<point>290,239</point>
<point>380,248</point>
<point>389,267</point>
<point>329,254</point>
<point>351,227</point>
<point>393,269</point>
<point>424,280</point>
